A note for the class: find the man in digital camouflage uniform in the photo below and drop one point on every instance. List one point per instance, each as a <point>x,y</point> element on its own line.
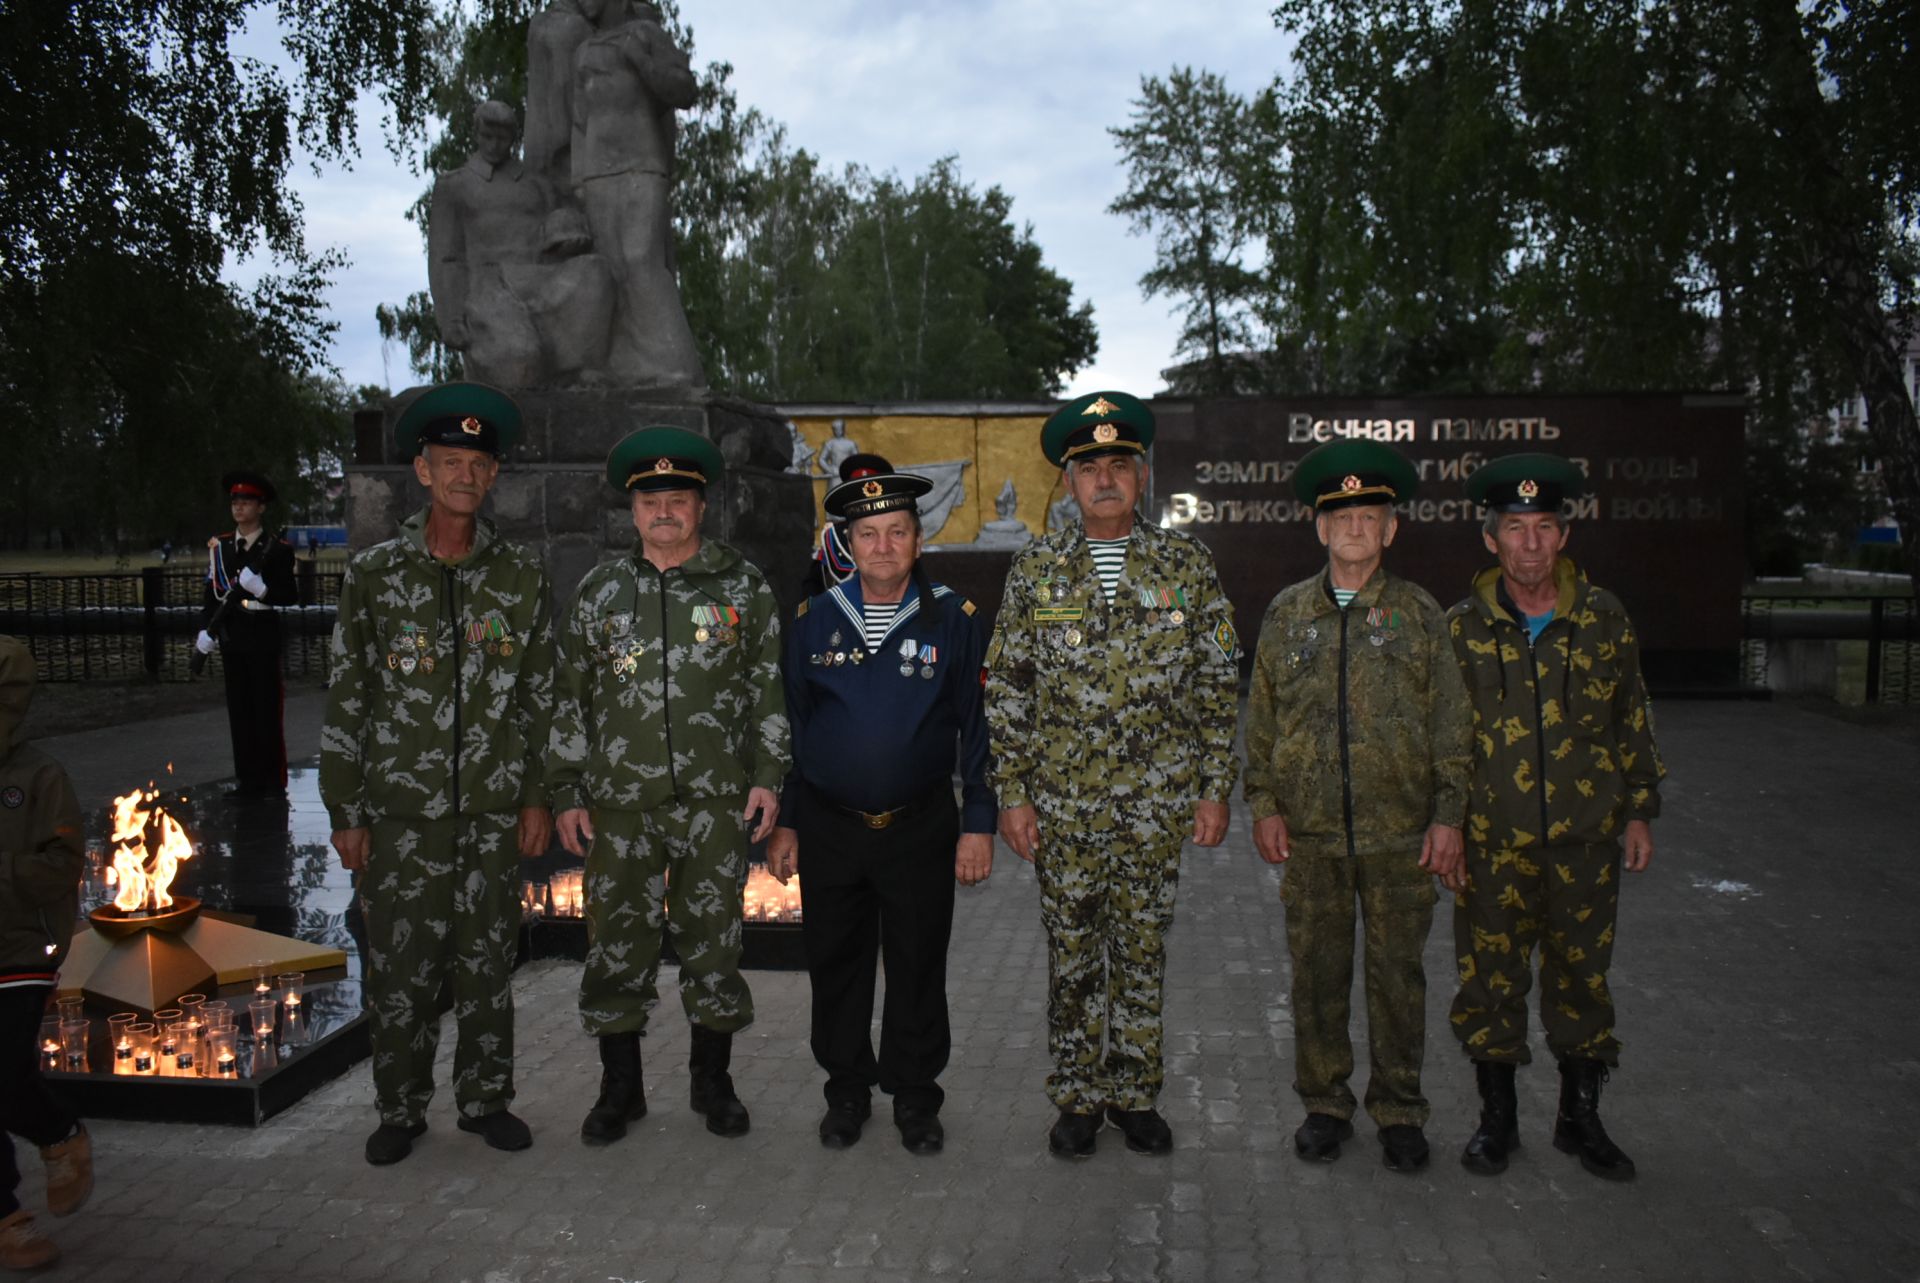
<point>1112,680</point>
<point>669,741</point>
<point>1357,733</point>
<point>1564,772</point>
<point>431,768</point>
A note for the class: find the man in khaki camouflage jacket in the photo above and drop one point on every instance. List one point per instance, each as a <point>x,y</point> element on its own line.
<point>430,768</point>
<point>1111,686</point>
<point>1565,772</point>
<point>670,742</point>
<point>1357,730</point>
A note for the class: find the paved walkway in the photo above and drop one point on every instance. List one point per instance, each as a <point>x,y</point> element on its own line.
<point>1766,978</point>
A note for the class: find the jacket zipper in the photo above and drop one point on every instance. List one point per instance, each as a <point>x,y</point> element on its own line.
<point>1539,728</point>
<point>452,586</point>
<point>666,708</point>
<point>1346,752</point>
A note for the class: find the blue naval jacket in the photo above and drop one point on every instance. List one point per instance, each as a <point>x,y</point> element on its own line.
<point>880,733</point>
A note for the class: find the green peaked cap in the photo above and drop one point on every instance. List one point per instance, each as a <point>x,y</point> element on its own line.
<point>659,457</point>
<point>1526,483</point>
<point>1095,424</point>
<point>472,416</point>
<point>1352,471</point>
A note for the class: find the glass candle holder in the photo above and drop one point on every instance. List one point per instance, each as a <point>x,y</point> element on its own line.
<point>223,1052</point>
<point>166,1040</point>
<point>218,1014</point>
<point>262,978</point>
<point>186,1050</point>
<point>74,1055</point>
<point>293,1016</point>
<point>121,1041</point>
<point>49,1044</point>
<point>262,1020</point>
<point>145,1057</point>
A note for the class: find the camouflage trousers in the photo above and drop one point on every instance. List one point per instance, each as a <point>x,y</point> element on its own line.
<point>1561,900</point>
<point>442,904</point>
<point>1396,897</point>
<point>1106,909</point>
<point>675,869</point>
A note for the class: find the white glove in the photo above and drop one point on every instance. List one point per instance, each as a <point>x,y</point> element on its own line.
<point>251,581</point>
<point>204,642</point>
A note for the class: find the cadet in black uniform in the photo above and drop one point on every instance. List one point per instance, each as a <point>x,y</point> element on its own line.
<point>883,692</point>
<point>249,576</point>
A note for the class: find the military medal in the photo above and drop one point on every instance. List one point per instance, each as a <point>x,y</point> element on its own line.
<point>857,655</point>
<point>839,656</point>
<point>929,655</point>
<point>426,663</point>
<point>699,634</point>
<point>393,661</point>
<point>1178,616</point>
<point>1059,591</point>
<point>1073,636</point>
<point>907,651</point>
<point>835,639</point>
<point>407,664</point>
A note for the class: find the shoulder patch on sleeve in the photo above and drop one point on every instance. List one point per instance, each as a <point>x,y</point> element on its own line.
<point>1224,638</point>
<point>800,611</point>
<point>966,607</point>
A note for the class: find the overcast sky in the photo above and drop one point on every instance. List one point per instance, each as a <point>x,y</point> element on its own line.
<point>1022,91</point>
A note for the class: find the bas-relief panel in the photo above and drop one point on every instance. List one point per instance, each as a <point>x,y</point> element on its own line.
<point>969,458</point>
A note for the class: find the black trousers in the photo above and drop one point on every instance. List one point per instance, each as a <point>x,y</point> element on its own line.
<point>885,893</point>
<point>256,713</point>
<point>27,1109</point>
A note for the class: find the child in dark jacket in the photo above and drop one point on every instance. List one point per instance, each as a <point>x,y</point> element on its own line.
<point>41,859</point>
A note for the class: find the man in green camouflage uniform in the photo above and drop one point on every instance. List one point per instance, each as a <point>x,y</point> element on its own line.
<point>1565,770</point>
<point>1111,686</point>
<point>669,739</point>
<point>431,768</point>
<point>1357,728</point>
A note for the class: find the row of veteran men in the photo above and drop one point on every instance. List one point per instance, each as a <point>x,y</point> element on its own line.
<point>1110,693</point>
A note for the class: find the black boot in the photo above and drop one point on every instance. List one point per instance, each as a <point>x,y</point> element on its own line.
<point>1499,1131</point>
<point>712,1092</point>
<point>1578,1129</point>
<point>623,1097</point>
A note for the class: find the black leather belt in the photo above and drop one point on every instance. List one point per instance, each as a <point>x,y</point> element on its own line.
<point>884,819</point>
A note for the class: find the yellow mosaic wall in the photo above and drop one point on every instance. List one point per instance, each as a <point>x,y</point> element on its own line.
<point>992,448</point>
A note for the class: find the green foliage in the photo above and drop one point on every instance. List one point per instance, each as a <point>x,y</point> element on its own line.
<point>801,284</point>
<point>1497,196</point>
<point>137,151</point>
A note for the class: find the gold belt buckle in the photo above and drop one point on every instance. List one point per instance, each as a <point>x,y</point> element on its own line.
<point>880,821</point>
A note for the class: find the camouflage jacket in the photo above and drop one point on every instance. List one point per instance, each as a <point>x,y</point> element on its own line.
<point>1357,723</point>
<point>669,685</point>
<point>41,851</point>
<point>1569,708</point>
<point>442,682</point>
<point>1096,707</point>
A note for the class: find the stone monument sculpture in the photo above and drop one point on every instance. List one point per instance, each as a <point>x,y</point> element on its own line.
<point>484,223</point>
<point>1006,530</point>
<point>604,80</point>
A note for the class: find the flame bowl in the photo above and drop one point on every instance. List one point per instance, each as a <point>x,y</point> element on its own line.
<point>116,924</point>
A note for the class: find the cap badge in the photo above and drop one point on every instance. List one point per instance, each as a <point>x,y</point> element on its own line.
<point>663,465</point>
<point>1529,489</point>
<point>1106,434</point>
<point>872,489</point>
<point>1101,406</point>
<point>472,426</point>
<point>1351,482</point>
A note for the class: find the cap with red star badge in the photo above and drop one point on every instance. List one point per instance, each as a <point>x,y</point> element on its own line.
<point>1526,483</point>
<point>1096,424</point>
<point>873,494</point>
<point>1351,472</point>
<point>469,416</point>
<point>245,484</point>
<point>659,457</point>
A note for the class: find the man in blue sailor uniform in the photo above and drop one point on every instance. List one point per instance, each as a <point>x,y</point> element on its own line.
<point>883,690</point>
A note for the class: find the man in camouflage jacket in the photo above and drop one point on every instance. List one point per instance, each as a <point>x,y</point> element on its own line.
<point>1565,772</point>
<point>1111,686</point>
<point>431,769</point>
<point>1357,728</point>
<point>669,739</point>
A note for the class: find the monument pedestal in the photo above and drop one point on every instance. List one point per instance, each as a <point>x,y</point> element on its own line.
<point>553,493</point>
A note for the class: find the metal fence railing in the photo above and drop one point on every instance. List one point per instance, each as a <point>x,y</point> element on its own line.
<point>142,623</point>
<point>1850,646</point>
